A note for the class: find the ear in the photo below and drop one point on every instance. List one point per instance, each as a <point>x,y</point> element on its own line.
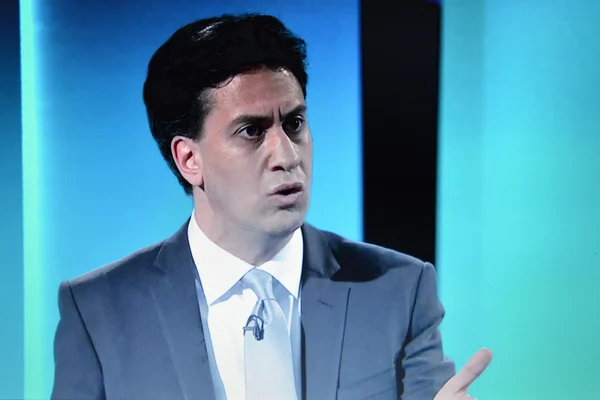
<point>186,155</point>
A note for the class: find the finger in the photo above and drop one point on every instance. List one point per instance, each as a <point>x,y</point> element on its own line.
<point>471,371</point>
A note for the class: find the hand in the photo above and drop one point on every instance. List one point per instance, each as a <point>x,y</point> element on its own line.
<point>456,388</point>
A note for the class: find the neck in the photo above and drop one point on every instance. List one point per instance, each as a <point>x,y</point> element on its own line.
<point>251,247</point>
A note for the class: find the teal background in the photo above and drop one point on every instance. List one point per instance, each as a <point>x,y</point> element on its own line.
<point>519,194</point>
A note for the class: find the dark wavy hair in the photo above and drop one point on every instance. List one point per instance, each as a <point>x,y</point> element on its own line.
<point>204,54</point>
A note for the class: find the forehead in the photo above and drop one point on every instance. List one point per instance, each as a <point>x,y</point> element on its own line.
<point>258,92</point>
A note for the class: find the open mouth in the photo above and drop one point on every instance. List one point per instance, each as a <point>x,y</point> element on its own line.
<point>289,191</point>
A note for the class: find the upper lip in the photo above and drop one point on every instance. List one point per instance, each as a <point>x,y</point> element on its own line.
<point>294,187</point>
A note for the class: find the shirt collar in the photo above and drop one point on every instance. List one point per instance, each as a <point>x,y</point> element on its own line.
<point>220,270</point>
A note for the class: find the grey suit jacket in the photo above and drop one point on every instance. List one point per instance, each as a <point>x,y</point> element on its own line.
<point>132,329</point>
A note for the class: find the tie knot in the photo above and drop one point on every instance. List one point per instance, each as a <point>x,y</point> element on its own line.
<point>260,282</point>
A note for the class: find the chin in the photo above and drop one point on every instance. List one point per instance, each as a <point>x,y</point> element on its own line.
<point>285,223</point>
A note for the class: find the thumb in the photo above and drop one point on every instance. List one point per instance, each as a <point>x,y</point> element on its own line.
<point>471,371</point>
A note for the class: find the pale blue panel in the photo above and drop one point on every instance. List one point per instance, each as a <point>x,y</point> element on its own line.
<point>519,232</point>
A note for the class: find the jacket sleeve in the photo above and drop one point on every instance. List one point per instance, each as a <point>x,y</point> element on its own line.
<point>424,366</point>
<point>77,370</point>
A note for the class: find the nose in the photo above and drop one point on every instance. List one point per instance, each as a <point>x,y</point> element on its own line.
<point>283,152</point>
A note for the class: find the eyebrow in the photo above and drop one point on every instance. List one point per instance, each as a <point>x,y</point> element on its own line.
<point>266,119</point>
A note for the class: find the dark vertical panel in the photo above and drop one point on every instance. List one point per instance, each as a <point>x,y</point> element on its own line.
<point>400,62</point>
<point>11,209</point>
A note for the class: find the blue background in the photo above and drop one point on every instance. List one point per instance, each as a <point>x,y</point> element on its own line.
<point>11,209</point>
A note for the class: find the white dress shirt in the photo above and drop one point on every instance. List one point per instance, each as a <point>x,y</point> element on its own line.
<point>230,305</point>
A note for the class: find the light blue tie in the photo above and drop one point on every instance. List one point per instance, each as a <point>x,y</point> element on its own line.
<point>267,350</point>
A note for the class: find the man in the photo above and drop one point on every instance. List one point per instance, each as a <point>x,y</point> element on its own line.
<point>246,300</point>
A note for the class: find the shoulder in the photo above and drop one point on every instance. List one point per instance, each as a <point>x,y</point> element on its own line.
<point>386,275</point>
<point>127,268</point>
<point>369,261</point>
<point>134,267</point>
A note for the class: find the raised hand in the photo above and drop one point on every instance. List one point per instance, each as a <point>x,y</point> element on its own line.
<point>456,388</point>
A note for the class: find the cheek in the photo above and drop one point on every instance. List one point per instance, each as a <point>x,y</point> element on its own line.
<point>238,180</point>
<point>307,155</point>
<point>218,172</point>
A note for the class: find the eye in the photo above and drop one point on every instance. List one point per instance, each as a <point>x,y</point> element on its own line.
<point>293,125</point>
<point>252,131</point>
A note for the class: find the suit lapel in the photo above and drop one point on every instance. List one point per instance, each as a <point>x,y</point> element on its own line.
<point>175,300</point>
<point>324,303</point>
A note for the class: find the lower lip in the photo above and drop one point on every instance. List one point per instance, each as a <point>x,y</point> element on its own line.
<point>287,199</point>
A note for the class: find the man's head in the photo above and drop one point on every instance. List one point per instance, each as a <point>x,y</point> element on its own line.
<point>225,99</point>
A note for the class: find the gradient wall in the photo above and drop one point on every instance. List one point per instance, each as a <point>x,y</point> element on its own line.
<point>11,207</point>
<point>519,195</point>
<point>95,185</point>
